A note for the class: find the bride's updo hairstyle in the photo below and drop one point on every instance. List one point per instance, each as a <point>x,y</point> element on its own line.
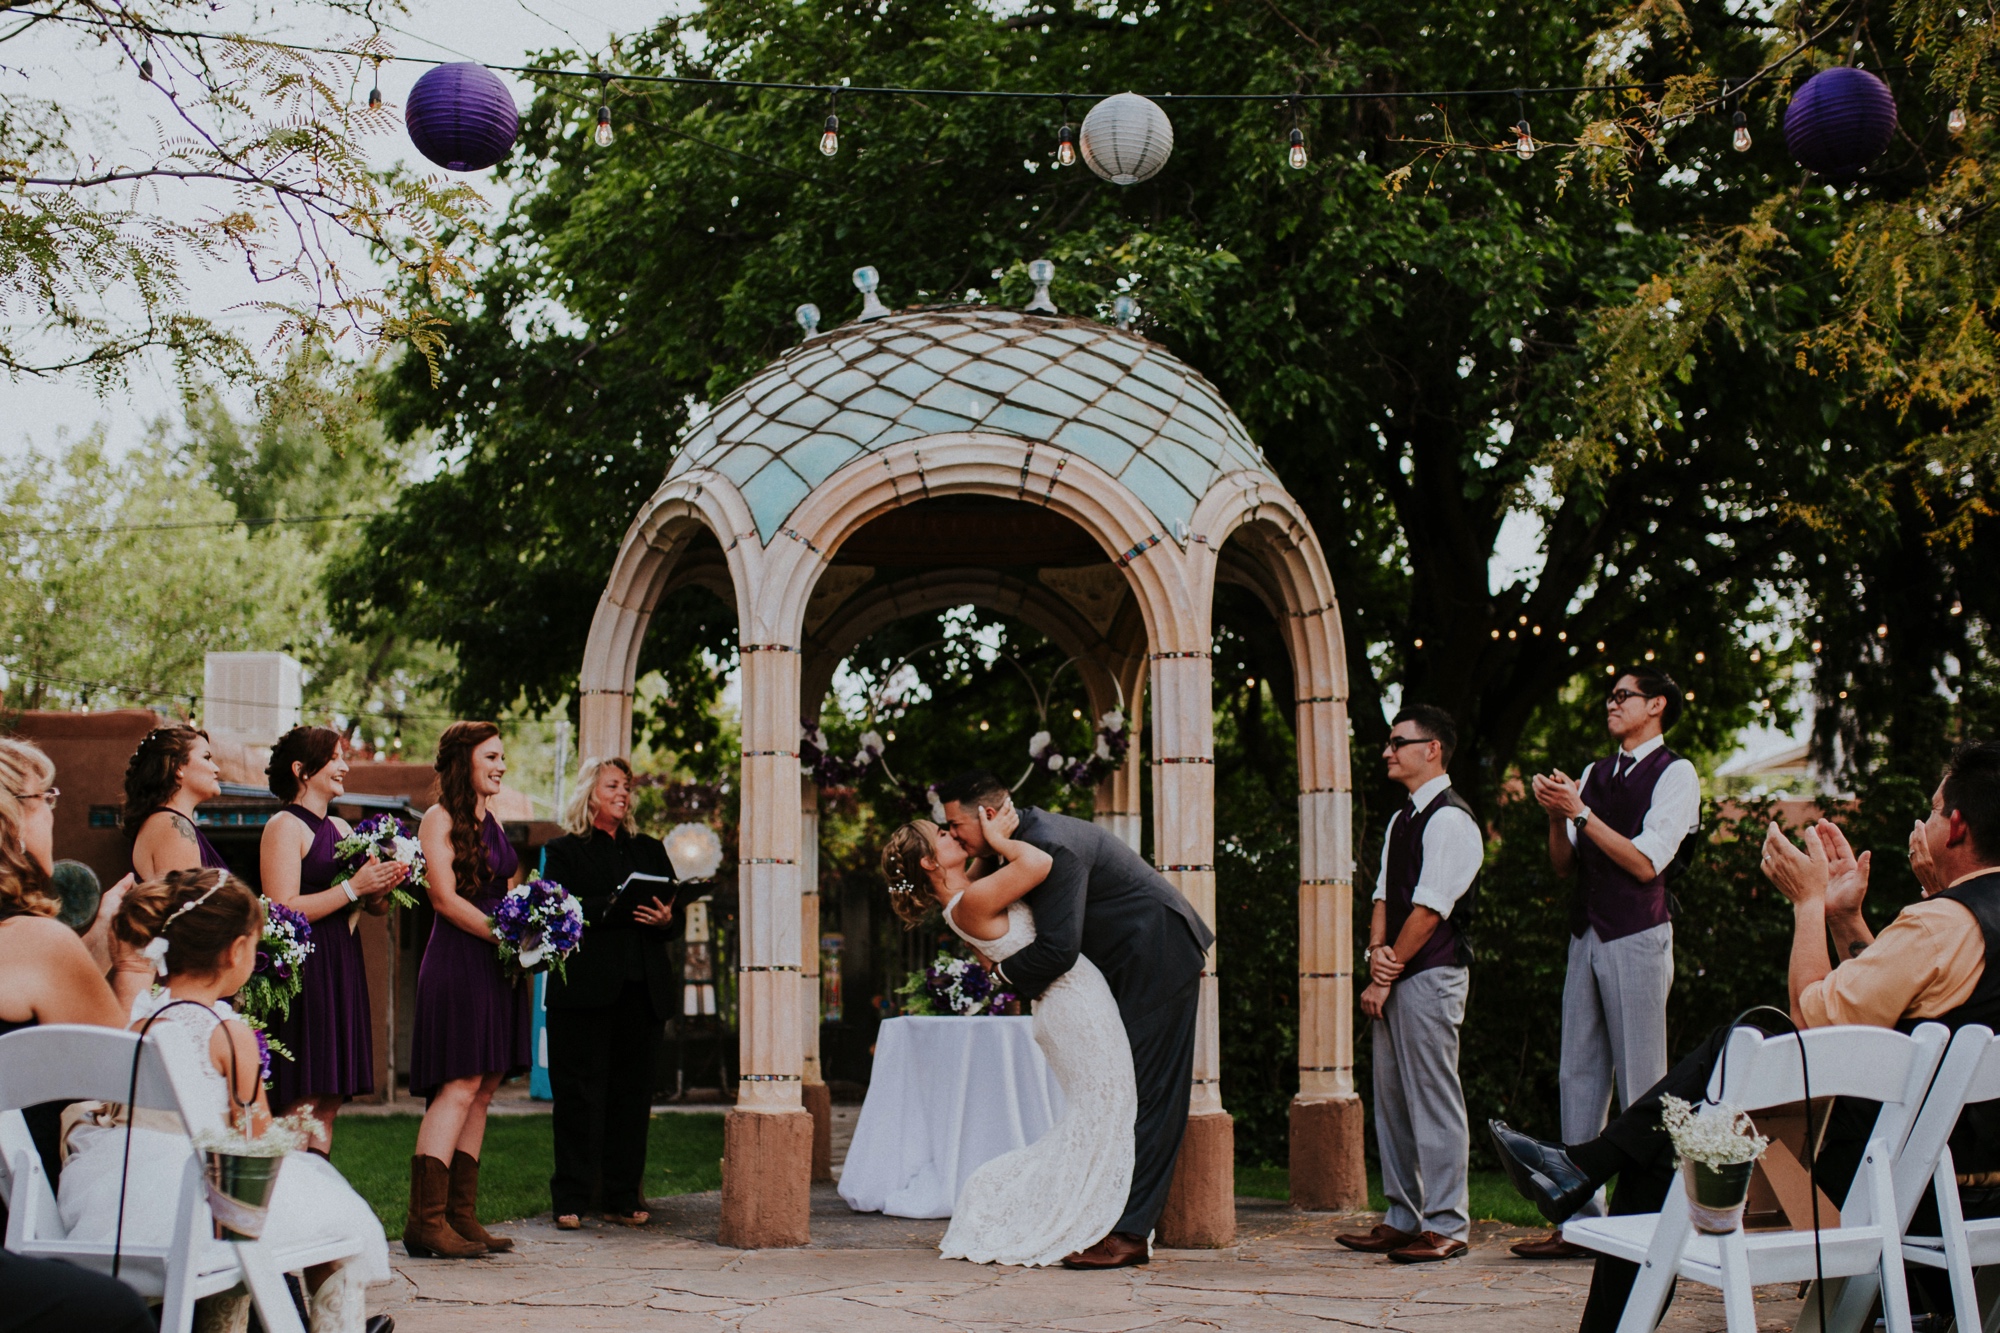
<point>910,896</point>
<point>201,913</point>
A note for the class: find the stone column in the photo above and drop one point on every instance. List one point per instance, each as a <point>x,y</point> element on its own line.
<point>767,1141</point>
<point>604,725</point>
<point>1326,1121</point>
<point>817,1099</point>
<point>1201,1209</point>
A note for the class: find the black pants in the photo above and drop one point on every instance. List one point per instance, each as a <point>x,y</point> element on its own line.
<point>601,1072</point>
<point>1642,1187</point>
<point>1163,1067</point>
<point>49,1296</point>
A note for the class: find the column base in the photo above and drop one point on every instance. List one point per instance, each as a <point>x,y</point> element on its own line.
<point>766,1170</point>
<point>1328,1172</point>
<point>1201,1203</point>
<point>818,1100</point>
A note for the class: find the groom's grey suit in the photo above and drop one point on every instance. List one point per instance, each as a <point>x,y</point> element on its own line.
<point>1101,900</point>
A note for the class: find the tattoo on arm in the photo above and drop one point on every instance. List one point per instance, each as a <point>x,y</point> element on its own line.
<point>185,829</point>
<point>1854,948</point>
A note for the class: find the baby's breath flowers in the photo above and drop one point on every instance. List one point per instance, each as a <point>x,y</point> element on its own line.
<point>1714,1134</point>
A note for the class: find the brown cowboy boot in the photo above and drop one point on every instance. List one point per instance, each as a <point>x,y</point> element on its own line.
<point>461,1205</point>
<point>426,1235</point>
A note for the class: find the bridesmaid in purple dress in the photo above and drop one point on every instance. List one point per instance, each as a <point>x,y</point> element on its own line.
<point>471,1021</point>
<point>330,1030</point>
<point>171,773</point>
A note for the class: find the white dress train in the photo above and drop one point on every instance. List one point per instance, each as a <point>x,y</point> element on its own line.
<point>1064,1191</point>
<point>311,1201</point>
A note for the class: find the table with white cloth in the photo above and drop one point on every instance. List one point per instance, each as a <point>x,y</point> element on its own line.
<point>947,1096</point>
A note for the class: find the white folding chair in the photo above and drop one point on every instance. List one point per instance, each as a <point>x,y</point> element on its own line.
<point>66,1062</point>
<point>1756,1073</point>
<point>1966,1245</point>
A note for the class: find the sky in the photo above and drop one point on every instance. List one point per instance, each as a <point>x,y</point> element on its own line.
<point>121,124</point>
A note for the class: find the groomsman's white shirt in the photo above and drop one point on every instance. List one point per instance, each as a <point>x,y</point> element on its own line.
<point>1674,813</point>
<point>1453,852</point>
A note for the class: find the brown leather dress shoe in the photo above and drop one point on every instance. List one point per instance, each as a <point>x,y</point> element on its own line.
<point>1116,1250</point>
<point>1551,1246</point>
<point>1428,1249</point>
<point>1380,1239</point>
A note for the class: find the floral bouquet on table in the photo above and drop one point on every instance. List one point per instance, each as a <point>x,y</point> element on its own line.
<point>953,986</point>
<point>539,925</point>
<point>384,838</point>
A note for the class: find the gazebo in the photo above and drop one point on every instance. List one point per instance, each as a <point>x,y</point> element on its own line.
<point>1059,470</point>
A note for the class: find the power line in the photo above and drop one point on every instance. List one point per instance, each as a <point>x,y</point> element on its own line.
<point>194,697</point>
<point>192,523</point>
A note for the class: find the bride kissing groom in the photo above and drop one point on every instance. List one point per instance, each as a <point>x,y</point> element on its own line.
<point>1111,954</point>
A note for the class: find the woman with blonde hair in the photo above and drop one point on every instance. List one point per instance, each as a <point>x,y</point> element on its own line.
<point>171,773</point>
<point>471,1020</point>
<point>605,1018</point>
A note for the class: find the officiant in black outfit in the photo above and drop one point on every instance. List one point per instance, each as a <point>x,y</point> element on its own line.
<point>604,1018</point>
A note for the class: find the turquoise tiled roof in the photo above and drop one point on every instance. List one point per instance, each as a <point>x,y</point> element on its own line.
<point>1111,397</point>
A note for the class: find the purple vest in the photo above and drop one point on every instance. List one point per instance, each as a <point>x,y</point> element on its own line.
<point>1606,897</point>
<point>1406,867</point>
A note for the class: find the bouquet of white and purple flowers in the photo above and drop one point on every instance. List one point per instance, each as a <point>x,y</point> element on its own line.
<point>538,924</point>
<point>953,986</point>
<point>281,952</point>
<point>384,838</point>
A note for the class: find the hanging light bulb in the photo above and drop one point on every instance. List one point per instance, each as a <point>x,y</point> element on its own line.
<point>603,131</point>
<point>1955,122</point>
<point>1297,156</point>
<point>1524,142</point>
<point>1739,139</point>
<point>1066,146</point>
<point>146,73</point>
<point>829,139</point>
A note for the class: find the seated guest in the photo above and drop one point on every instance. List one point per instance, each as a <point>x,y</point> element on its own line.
<point>171,773</point>
<point>1930,963</point>
<point>202,927</point>
<point>50,1296</point>
<point>605,1017</point>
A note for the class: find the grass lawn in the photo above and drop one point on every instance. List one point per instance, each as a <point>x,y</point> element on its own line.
<point>683,1156</point>
<point>1492,1198</point>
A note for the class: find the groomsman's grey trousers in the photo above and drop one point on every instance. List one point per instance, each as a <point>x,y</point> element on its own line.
<point>1420,1126</point>
<point>1614,1033</point>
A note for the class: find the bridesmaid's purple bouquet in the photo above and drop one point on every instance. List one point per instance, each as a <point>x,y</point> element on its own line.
<point>384,837</point>
<point>281,953</point>
<point>539,925</point>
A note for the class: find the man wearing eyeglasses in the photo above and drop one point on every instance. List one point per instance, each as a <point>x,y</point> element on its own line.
<point>1617,830</point>
<point>1417,969</point>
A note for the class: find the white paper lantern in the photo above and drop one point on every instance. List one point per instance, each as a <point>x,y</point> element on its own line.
<point>1127,139</point>
<point>695,851</point>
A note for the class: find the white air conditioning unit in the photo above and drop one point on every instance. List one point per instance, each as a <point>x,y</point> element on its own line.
<point>252,698</point>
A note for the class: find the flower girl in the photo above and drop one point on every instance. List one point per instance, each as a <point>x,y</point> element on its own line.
<point>201,929</point>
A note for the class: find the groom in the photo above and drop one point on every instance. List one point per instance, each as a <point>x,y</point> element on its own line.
<point>1102,901</point>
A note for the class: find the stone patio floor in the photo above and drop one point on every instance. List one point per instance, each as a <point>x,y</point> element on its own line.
<point>867,1272</point>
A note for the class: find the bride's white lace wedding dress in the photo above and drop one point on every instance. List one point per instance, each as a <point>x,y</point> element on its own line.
<point>312,1201</point>
<point>1064,1191</point>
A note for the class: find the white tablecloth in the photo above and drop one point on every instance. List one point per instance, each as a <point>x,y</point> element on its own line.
<point>947,1096</point>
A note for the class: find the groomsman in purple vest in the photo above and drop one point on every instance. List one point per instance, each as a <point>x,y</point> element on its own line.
<point>1617,830</point>
<point>1417,966</point>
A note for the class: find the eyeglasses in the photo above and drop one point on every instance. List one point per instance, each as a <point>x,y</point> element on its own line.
<point>1617,698</point>
<point>48,795</point>
<point>1395,744</point>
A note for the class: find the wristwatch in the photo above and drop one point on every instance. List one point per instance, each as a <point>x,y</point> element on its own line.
<point>1581,820</point>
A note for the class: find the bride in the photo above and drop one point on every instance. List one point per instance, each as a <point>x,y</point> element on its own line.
<point>1066,1190</point>
<point>201,928</point>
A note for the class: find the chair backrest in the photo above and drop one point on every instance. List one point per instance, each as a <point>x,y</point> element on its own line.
<point>77,1062</point>
<point>1969,1072</point>
<point>1879,1064</point>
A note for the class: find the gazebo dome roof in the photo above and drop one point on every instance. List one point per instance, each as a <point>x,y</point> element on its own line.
<point>1126,404</point>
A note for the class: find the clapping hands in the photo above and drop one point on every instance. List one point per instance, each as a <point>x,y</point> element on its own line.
<point>1826,872</point>
<point>1558,794</point>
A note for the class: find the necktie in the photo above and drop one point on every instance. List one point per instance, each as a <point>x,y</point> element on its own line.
<point>1623,769</point>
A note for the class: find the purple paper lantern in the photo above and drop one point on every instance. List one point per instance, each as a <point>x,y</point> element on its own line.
<point>1839,121</point>
<point>462,117</point>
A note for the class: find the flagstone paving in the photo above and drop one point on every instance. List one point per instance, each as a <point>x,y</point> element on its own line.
<point>882,1275</point>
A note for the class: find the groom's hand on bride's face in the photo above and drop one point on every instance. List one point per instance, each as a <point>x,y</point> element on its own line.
<point>1002,821</point>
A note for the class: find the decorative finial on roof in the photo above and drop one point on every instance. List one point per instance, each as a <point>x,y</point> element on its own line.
<point>866,279</point>
<point>808,317</point>
<point>1124,310</point>
<point>1041,272</point>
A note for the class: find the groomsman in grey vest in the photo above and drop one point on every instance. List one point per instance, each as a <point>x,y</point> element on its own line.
<point>1617,829</point>
<point>1417,967</point>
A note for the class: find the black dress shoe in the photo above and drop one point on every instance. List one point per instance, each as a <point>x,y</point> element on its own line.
<point>1543,1172</point>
